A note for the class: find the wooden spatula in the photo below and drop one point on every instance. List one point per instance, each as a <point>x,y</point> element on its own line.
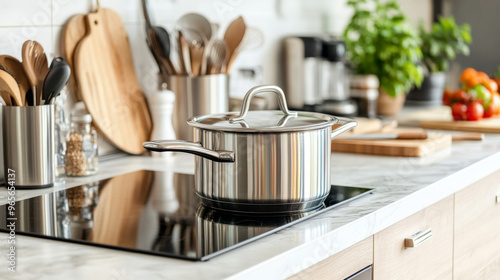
<point>35,66</point>
<point>233,37</point>
<point>16,70</point>
<point>185,56</point>
<point>9,88</point>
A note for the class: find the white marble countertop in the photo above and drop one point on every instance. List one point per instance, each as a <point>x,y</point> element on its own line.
<point>403,187</point>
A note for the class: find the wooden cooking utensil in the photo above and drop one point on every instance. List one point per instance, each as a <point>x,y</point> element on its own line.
<point>180,60</point>
<point>196,46</point>
<point>184,54</point>
<point>159,41</point>
<point>5,98</point>
<point>35,66</point>
<point>108,85</point>
<point>15,68</point>
<point>233,37</point>
<point>163,40</point>
<point>196,54</point>
<point>153,46</point>
<point>8,85</point>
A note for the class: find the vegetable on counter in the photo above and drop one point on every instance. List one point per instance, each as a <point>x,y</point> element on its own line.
<point>477,99</point>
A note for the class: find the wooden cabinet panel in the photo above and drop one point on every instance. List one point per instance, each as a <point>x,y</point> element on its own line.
<point>477,230</point>
<point>430,260</point>
<point>341,265</point>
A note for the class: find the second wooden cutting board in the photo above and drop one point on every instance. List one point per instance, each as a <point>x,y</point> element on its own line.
<point>402,148</point>
<point>108,85</point>
<point>440,118</point>
<point>72,33</point>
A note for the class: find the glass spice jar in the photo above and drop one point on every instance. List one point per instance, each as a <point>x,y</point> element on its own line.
<point>81,147</point>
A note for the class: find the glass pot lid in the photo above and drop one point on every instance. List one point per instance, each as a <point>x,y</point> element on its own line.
<point>264,121</point>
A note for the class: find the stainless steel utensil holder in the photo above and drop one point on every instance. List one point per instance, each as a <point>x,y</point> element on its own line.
<point>195,96</point>
<point>29,145</point>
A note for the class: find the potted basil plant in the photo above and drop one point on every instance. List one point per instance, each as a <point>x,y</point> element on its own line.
<point>380,41</point>
<point>439,46</point>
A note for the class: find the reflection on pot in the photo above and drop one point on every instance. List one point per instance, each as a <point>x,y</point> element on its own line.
<point>218,230</point>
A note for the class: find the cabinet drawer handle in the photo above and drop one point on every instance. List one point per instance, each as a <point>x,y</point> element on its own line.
<point>498,198</point>
<point>418,238</point>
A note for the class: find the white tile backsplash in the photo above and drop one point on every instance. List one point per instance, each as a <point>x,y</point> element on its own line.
<point>129,10</point>
<point>26,13</point>
<point>12,39</point>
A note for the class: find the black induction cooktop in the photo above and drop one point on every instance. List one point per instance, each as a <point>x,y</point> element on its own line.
<point>153,213</point>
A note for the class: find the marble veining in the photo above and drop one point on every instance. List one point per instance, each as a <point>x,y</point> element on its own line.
<point>404,186</point>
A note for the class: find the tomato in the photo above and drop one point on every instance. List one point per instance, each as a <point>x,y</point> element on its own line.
<point>475,111</point>
<point>493,107</point>
<point>446,97</point>
<point>458,111</point>
<point>480,93</point>
<point>459,96</point>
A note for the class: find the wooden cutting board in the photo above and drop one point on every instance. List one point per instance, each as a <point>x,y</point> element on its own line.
<point>484,126</point>
<point>440,118</point>
<point>107,83</point>
<point>402,148</point>
<point>72,33</point>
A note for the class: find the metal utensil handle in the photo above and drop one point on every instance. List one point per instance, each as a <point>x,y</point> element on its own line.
<point>245,106</point>
<point>347,124</point>
<point>188,147</point>
<point>418,238</point>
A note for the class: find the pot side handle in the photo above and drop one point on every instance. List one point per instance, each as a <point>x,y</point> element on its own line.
<point>190,148</point>
<point>346,124</point>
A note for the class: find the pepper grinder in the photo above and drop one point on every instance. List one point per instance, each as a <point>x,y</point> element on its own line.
<point>161,106</point>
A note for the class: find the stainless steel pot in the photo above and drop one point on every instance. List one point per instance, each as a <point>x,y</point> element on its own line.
<point>261,161</point>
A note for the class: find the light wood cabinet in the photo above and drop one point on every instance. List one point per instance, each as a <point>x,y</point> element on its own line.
<point>340,265</point>
<point>477,230</point>
<point>465,242</point>
<point>432,259</point>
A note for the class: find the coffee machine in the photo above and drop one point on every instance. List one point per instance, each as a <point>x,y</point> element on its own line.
<point>316,76</point>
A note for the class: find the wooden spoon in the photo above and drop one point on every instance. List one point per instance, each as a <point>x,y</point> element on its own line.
<point>184,52</point>
<point>16,70</point>
<point>233,37</point>
<point>35,66</point>
<point>8,85</point>
<point>196,52</point>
